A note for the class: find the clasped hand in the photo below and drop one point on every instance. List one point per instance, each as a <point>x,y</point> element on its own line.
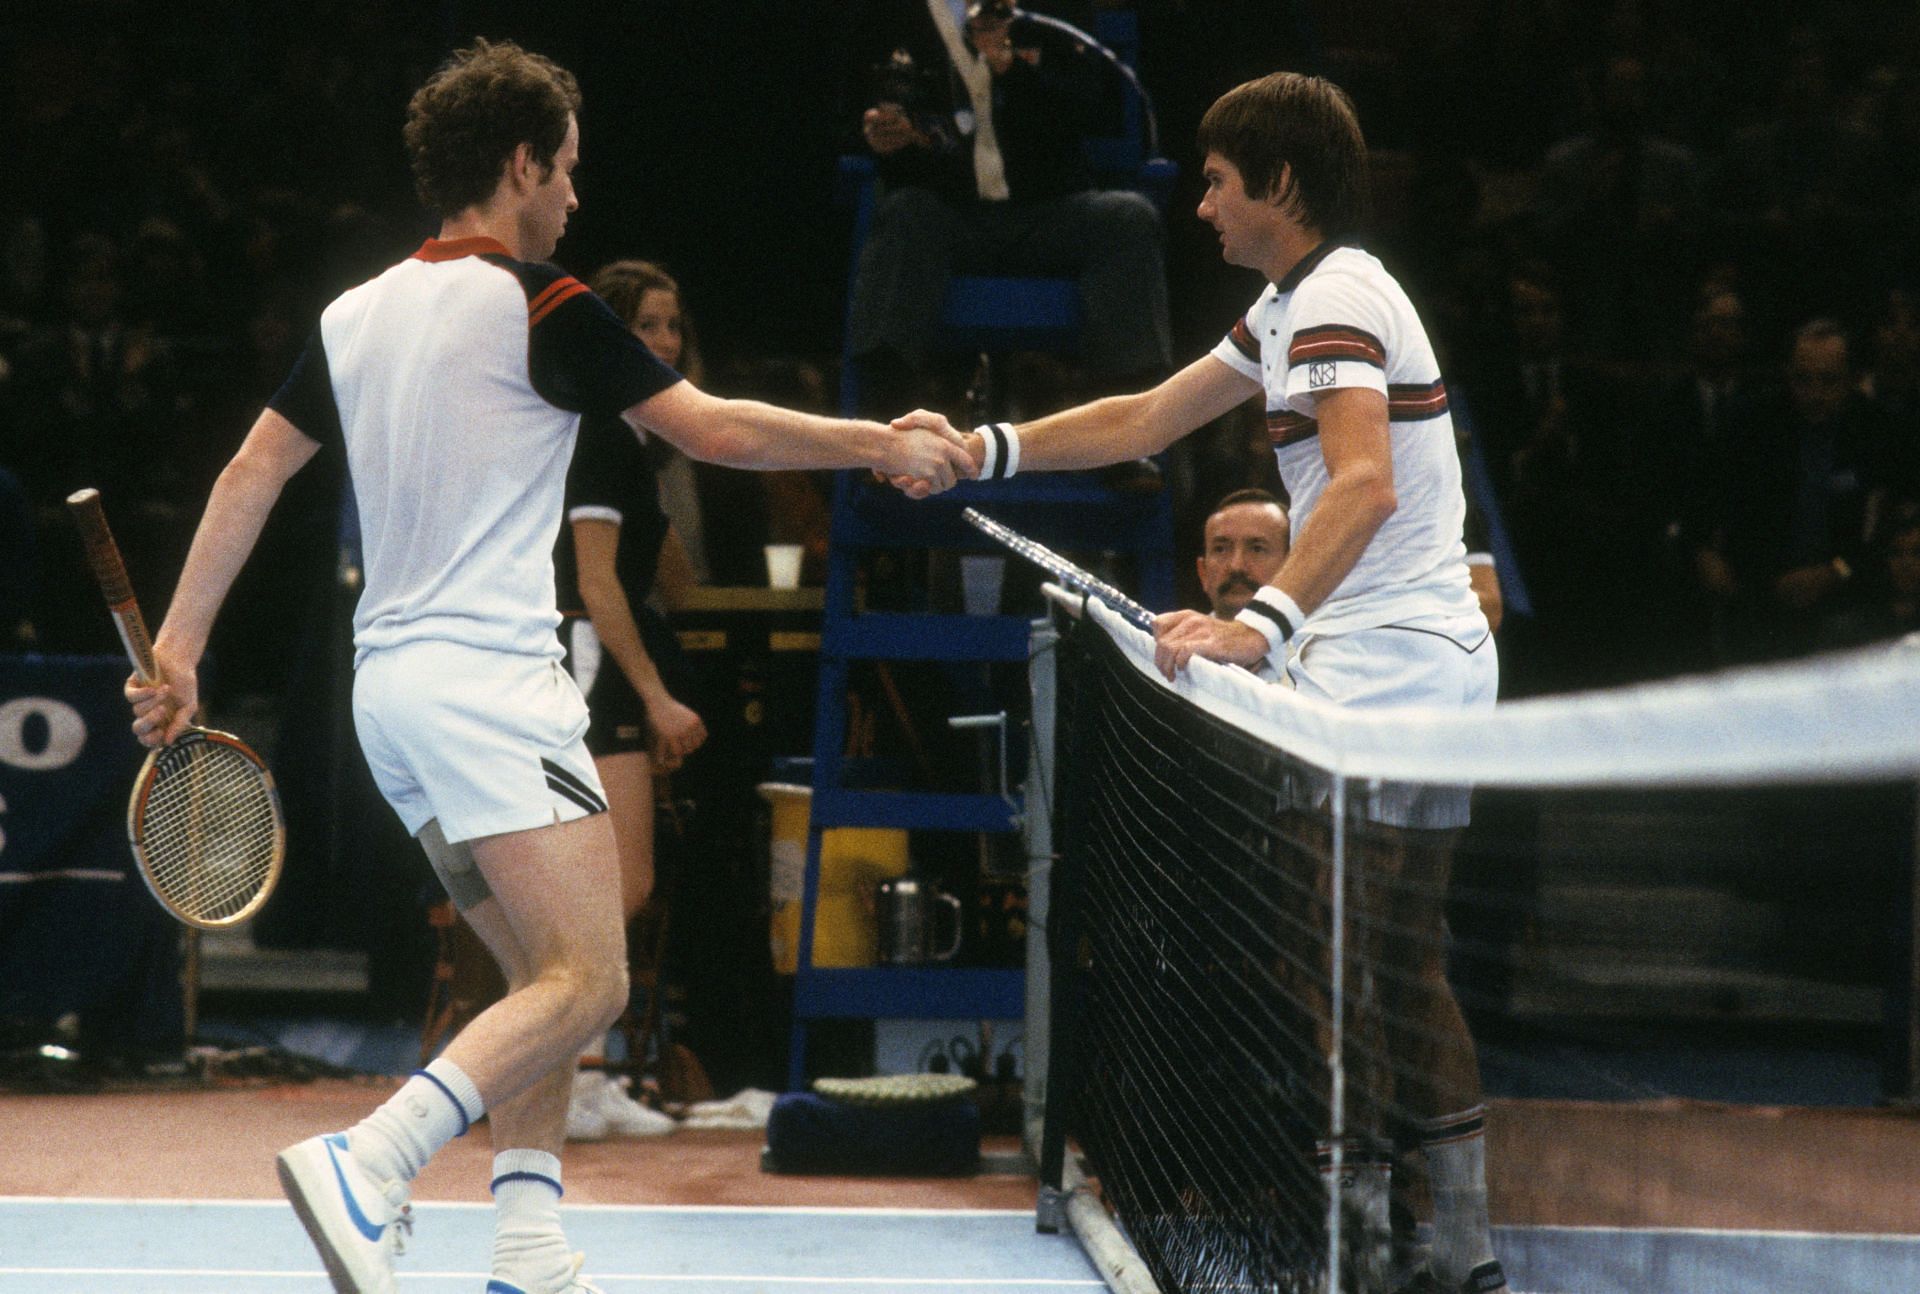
<point>954,456</point>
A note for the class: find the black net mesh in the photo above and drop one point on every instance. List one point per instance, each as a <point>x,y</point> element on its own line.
<point>1628,997</point>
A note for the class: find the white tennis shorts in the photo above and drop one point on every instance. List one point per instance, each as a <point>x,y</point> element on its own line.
<point>484,741</point>
<point>1451,664</point>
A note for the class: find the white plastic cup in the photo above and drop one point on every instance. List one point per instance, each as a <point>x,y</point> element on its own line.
<point>783,565</point>
<point>980,581</point>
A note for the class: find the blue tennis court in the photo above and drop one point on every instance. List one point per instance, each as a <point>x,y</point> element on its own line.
<point>222,1246</point>
<point>171,1247</point>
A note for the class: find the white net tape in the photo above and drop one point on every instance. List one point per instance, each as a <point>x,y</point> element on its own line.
<point>1852,716</point>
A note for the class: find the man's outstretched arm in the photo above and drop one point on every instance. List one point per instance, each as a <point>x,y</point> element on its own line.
<point>749,434</point>
<point>1115,429</point>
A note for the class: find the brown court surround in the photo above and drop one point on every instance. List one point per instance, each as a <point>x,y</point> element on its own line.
<point>1567,1163</point>
<point>220,1145</point>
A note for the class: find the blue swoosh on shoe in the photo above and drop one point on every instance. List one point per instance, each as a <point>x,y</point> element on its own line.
<point>334,1144</point>
<point>501,1287</point>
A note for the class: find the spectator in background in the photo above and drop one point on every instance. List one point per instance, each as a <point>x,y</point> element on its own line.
<point>1691,424</point>
<point>1244,542</point>
<point>1793,195</point>
<point>1803,498</point>
<point>1899,166</point>
<point>983,170</point>
<point>1891,380</point>
<point>1548,424</point>
<point>94,400</point>
<point>26,270</point>
<point>620,650</point>
<point>1889,605</point>
<point>660,320</point>
<point>1619,208</point>
<point>166,283</point>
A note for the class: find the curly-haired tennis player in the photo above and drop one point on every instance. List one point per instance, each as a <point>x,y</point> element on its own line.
<point>456,381</point>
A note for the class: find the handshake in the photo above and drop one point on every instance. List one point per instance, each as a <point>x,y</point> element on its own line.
<point>928,455</point>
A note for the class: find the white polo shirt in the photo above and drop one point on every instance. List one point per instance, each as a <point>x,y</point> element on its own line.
<point>456,381</point>
<point>1339,319</point>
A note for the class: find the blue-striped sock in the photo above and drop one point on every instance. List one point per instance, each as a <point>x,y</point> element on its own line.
<point>431,1108</point>
<point>529,1249</point>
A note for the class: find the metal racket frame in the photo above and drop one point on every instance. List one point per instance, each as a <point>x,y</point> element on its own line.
<point>1069,575</point>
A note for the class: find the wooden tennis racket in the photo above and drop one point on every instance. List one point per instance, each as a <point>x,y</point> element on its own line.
<point>204,817</point>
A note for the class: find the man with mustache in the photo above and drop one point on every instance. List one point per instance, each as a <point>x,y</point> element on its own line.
<point>1243,544</point>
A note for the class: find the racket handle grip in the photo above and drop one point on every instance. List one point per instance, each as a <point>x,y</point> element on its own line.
<point>110,572</point>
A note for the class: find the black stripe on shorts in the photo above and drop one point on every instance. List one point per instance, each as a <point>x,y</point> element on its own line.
<point>570,786</point>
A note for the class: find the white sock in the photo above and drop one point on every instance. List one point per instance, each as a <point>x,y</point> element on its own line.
<point>432,1108</point>
<point>529,1249</point>
<point>1366,1177</point>
<point>1456,1150</point>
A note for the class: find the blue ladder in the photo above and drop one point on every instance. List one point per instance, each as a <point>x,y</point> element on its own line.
<point>1068,511</point>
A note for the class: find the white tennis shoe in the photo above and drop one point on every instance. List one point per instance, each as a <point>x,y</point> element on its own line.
<point>576,1283</point>
<point>357,1224</point>
<point>599,1108</point>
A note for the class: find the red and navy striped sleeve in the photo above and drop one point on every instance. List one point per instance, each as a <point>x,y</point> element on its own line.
<point>1331,343</point>
<point>580,356</point>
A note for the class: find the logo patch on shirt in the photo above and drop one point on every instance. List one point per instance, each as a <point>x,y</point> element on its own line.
<point>1319,375</point>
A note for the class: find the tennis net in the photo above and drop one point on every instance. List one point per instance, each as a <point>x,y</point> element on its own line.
<point>1247,1045</point>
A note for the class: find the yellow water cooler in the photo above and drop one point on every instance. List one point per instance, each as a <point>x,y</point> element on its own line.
<point>853,860</point>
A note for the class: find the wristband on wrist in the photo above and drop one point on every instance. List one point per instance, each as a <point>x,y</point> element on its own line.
<point>1273,614</point>
<point>1002,450</point>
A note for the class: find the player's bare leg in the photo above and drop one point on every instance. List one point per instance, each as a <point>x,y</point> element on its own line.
<point>1436,1068</point>
<point>598,1107</point>
<point>555,925</point>
<point>1364,1176</point>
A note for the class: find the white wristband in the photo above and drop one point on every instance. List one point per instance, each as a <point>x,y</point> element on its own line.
<point>1275,615</point>
<point>1002,457</point>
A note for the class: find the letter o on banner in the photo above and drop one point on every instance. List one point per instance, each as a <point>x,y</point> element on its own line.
<point>39,734</point>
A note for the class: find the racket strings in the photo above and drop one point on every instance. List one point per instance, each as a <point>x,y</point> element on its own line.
<point>209,830</point>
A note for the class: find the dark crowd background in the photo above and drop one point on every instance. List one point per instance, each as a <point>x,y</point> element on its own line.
<point>1615,218</point>
<point>1670,254</point>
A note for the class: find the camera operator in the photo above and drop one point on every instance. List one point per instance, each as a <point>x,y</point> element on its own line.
<point>976,122</point>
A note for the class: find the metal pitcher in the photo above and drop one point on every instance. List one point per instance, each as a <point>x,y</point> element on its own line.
<point>905,911</point>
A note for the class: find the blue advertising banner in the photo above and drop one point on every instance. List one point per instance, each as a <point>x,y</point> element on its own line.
<point>79,934</point>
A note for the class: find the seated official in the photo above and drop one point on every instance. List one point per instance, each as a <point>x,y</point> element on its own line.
<point>1244,542</point>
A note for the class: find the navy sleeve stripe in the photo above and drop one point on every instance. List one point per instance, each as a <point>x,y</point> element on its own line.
<point>305,399</point>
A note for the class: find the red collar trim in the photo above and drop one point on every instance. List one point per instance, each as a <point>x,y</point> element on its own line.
<point>452,249</point>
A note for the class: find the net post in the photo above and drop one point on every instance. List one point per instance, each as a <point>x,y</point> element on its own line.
<point>1037,831</point>
<point>1050,929</point>
<point>1912,1076</point>
<point>1336,1062</point>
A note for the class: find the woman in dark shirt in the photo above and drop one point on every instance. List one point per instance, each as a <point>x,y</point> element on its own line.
<point>616,549</point>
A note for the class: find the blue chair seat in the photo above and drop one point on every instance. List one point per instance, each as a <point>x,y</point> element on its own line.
<point>989,312</point>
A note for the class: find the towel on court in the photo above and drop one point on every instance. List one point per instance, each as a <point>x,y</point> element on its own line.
<point>812,1134</point>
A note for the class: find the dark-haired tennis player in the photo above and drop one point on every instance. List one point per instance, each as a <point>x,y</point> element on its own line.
<point>1373,605</point>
